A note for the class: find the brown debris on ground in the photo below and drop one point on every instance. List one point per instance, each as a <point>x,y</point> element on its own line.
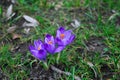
<point>96,44</point>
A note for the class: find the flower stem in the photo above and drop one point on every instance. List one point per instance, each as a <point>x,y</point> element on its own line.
<point>45,65</point>
<point>58,57</point>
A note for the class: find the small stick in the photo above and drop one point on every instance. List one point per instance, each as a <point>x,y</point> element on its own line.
<point>63,72</point>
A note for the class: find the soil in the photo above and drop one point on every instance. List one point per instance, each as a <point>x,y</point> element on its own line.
<point>96,44</point>
<point>43,74</point>
<point>118,20</point>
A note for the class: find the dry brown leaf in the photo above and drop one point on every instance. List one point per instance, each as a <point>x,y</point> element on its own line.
<point>75,23</point>
<point>26,24</point>
<point>31,20</point>
<point>27,30</point>
<point>9,11</point>
<point>58,6</point>
<point>11,16</point>
<point>16,36</point>
<point>92,67</point>
<point>113,16</point>
<point>90,64</point>
<point>13,1</point>
<point>11,29</point>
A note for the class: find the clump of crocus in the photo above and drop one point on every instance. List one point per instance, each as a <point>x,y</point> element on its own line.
<point>52,45</point>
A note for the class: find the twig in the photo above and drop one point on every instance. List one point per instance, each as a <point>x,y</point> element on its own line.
<point>91,66</point>
<point>63,72</point>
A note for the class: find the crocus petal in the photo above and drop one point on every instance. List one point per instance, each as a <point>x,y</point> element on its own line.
<point>38,43</point>
<point>68,34</point>
<point>31,47</point>
<point>36,52</point>
<point>71,38</point>
<point>59,49</point>
<point>49,43</point>
<point>49,38</point>
<point>49,48</point>
<point>59,41</point>
<point>59,31</point>
<point>68,41</point>
<point>42,54</point>
<point>63,42</point>
<point>33,51</point>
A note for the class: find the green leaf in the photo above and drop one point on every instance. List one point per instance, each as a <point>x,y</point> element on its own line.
<point>0,10</point>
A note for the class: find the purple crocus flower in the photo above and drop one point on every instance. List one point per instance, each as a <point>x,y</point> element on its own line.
<point>64,37</point>
<point>50,45</point>
<point>38,50</point>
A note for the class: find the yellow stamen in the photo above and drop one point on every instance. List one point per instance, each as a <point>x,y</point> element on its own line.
<point>50,42</point>
<point>62,36</point>
<point>39,48</point>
